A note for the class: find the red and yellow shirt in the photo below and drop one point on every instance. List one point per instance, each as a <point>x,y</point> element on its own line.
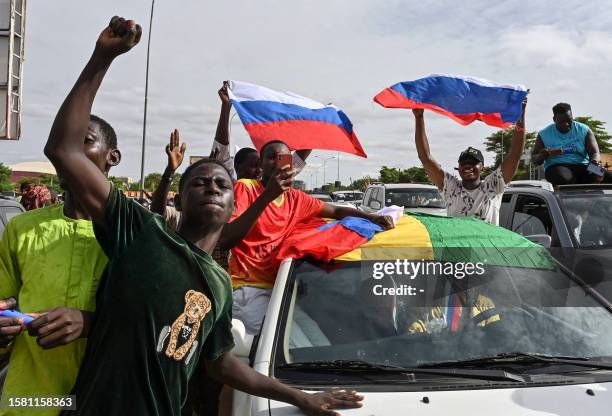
<point>253,260</point>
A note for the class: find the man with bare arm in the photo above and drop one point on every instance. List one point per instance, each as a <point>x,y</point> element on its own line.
<point>471,196</point>
<point>162,303</point>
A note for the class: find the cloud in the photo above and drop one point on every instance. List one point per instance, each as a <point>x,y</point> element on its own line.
<point>550,46</point>
<point>336,51</point>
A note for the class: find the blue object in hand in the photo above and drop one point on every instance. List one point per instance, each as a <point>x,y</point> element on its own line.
<point>12,313</point>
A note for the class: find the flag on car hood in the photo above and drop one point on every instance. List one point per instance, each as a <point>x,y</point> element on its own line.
<point>300,122</point>
<point>464,99</point>
<point>453,239</point>
<point>324,241</point>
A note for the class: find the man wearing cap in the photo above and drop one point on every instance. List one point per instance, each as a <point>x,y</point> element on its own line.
<point>471,196</point>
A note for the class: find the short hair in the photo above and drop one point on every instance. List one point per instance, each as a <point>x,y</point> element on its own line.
<point>203,161</point>
<point>272,142</point>
<point>241,155</point>
<point>561,108</point>
<point>110,137</point>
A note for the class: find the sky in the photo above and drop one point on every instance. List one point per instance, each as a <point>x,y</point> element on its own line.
<point>339,51</point>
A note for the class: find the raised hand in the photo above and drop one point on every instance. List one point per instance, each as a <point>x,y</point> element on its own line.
<point>9,327</point>
<point>224,95</point>
<point>175,153</point>
<point>418,112</point>
<point>280,182</point>
<point>118,37</point>
<point>59,326</point>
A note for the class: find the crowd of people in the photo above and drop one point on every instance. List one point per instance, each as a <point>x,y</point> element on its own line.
<point>130,306</point>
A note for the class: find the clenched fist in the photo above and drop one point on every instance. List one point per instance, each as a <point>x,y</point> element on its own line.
<point>119,37</point>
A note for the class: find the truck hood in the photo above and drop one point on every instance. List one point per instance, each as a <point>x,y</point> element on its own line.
<point>541,401</point>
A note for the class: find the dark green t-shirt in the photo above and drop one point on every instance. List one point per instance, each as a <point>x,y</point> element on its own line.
<point>162,304</point>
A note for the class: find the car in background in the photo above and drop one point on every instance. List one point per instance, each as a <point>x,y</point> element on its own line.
<point>413,197</point>
<point>8,209</point>
<point>529,339</point>
<point>573,216</point>
<point>323,197</point>
<point>574,222</point>
<point>354,197</point>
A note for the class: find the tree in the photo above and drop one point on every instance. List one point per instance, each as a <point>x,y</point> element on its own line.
<point>601,135</point>
<point>493,143</point>
<point>151,181</point>
<point>361,184</point>
<point>5,178</point>
<point>389,175</point>
<point>415,174</point>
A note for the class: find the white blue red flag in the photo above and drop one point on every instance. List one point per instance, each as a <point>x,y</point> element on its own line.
<point>464,99</point>
<point>300,122</point>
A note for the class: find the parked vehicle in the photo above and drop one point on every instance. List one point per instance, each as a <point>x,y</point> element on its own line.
<point>323,197</point>
<point>8,209</point>
<point>354,197</point>
<point>543,345</point>
<point>413,197</point>
<point>574,216</point>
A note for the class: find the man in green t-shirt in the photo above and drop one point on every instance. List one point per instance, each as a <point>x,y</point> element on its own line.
<point>163,303</point>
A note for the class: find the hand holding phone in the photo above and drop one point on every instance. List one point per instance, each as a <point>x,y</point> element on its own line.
<point>555,152</point>
<point>595,169</point>
<point>284,159</point>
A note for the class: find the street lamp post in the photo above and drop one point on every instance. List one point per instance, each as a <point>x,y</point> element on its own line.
<point>324,162</point>
<point>146,97</point>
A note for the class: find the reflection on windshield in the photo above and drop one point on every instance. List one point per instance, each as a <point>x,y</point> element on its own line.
<point>414,198</point>
<point>333,315</point>
<point>589,217</point>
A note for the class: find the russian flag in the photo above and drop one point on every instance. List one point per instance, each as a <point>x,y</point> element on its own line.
<point>300,122</point>
<point>464,99</point>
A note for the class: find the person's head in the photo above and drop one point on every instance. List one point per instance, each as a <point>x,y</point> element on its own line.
<point>267,159</point>
<point>471,164</point>
<point>246,164</point>
<point>100,145</point>
<point>36,196</point>
<point>562,116</point>
<point>206,194</point>
<point>144,202</point>
<point>23,188</point>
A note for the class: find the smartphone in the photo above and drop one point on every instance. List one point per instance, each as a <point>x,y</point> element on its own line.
<point>595,169</point>
<point>283,159</point>
<point>555,152</point>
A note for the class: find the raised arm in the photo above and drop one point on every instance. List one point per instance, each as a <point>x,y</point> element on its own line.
<point>432,168</point>
<point>222,133</point>
<point>337,212</point>
<point>235,231</point>
<point>65,144</point>
<point>511,162</point>
<point>176,154</point>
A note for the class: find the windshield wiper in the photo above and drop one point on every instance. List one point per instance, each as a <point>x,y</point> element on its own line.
<point>375,368</point>
<point>521,358</point>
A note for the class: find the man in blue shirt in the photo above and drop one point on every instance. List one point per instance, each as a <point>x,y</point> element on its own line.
<point>566,148</point>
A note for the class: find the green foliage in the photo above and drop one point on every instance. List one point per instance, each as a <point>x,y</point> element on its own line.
<point>151,181</point>
<point>5,178</point>
<point>601,135</point>
<point>361,184</point>
<point>493,143</point>
<point>413,174</point>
